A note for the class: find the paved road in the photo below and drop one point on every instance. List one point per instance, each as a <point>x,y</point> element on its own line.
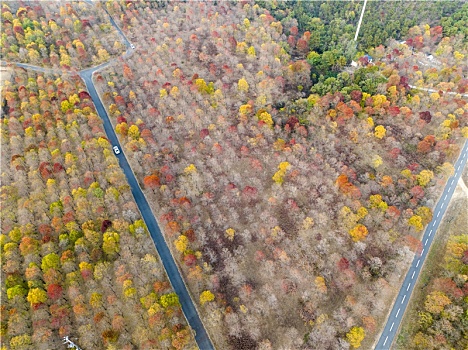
<point>396,315</point>
<point>175,278</point>
<point>30,66</point>
<point>188,307</point>
<point>434,90</point>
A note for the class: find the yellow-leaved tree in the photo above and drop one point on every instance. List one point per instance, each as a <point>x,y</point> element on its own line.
<point>424,177</point>
<point>421,341</point>
<point>458,56</point>
<point>436,301</point>
<point>425,213</point>
<point>266,118</point>
<point>320,284</point>
<point>20,342</point>
<point>355,336</point>
<point>375,201</point>
<point>230,232</point>
<point>464,132</point>
<point>446,170</point>
<point>358,232</point>
<point>242,85</point>
<point>190,169</point>
<point>110,243</point>
<point>85,266</point>
<point>175,91</point>
<point>95,300</point>
<point>376,161</point>
<point>279,175</point>
<point>206,296</point>
<point>181,243</point>
<point>307,223</point>
<point>362,212</point>
<point>416,222</point>
<point>36,296</point>
<point>379,100</point>
<point>379,131</point>
<point>134,132</point>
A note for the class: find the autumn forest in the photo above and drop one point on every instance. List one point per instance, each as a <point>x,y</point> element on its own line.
<point>291,187</point>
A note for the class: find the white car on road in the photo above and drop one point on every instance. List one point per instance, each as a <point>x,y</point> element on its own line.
<point>132,46</point>
<point>116,149</point>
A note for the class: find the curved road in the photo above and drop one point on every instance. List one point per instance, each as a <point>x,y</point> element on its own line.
<point>173,273</point>
<point>396,315</point>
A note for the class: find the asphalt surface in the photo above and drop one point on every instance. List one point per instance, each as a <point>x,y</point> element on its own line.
<point>399,308</point>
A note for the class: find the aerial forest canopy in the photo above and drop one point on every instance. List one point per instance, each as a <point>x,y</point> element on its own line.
<point>76,257</point>
<point>331,26</point>
<point>71,34</point>
<point>291,188</point>
<point>296,211</point>
<point>333,23</point>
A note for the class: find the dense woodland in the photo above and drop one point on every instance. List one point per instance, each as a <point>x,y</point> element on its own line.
<point>292,214</point>
<point>72,35</point>
<point>76,257</point>
<point>292,189</point>
<point>332,27</point>
<point>333,23</point>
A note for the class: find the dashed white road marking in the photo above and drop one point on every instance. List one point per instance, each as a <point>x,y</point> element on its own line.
<point>403,300</point>
<point>425,243</point>
<point>422,252</point>
<point>433,224</point>
<point>446,196</point>
<point>430,233</point>
<point>385,342</point>
<point>393,323</point>
<point>417,264</point>
<point>413,274</point>
<point>407,288</point>
<point>438,214</point>
<point>396,316</point>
